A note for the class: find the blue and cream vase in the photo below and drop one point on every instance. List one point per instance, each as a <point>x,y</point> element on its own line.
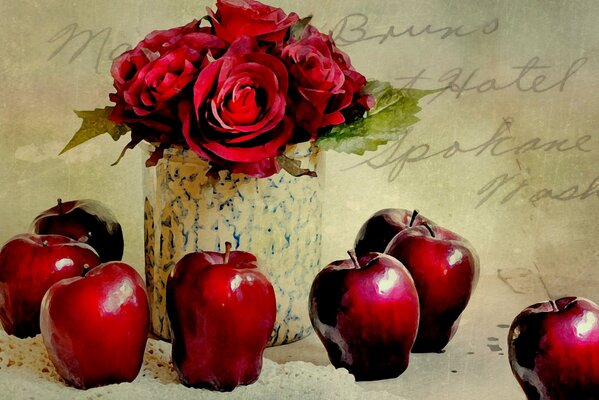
<point>278,219</point>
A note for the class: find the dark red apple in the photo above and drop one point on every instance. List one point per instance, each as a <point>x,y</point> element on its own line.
<point>554,350</point>
<point>29,265</point>
<point>95,327</point>
<point>378,230</point>
<point>88,221</point>
<point>365,311</point>
<point>222,312</point>
<point>445,269</point>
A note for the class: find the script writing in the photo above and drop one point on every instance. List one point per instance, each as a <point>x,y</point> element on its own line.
<point>506,187</point>
<point>356,27</point>
<point>351,29</point>
<point>527,78</point>
<point>530,76</point>
<point>72,38</point>
<point>400,154</point>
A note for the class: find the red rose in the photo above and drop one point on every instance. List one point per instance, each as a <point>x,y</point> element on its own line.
<point>236,18</point>
<point>324,82</point>
<point>150,78</point>
<point>356,79</point>
<point>238,118</point>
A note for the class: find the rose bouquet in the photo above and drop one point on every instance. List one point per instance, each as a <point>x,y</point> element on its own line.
<point>242,83</point>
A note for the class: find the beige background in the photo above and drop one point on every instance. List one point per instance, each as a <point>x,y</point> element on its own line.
<point>523,187</point>
<point>56,57</point>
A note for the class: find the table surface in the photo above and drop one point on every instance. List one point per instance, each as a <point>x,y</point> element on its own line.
<point>473,366</point>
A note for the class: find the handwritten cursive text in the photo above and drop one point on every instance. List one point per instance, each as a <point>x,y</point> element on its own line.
<point>501,143</point>
<point>81,39</point>
<point>506,187</point>
<point>528,78</point>
<point>355,28</point>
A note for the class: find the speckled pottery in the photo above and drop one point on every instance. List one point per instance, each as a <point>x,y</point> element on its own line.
<point>278,219</point>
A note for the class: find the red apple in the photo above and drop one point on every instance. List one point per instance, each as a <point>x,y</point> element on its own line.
<point>29,265</point>
<point>95,327</point>
<point>222,312</point>
<point>365,311</point>
<point>445,269</point>
<point>88,221</point>
<point>554,350</point>
<point>378,230</point>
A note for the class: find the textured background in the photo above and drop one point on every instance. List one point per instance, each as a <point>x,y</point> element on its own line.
<point>527,206</point>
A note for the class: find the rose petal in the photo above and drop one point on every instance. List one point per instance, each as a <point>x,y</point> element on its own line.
<point>279,137</point>
<point>247,17</point>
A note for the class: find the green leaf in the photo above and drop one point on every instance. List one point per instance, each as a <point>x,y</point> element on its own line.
<point>395,110</point>
<point>95,123</point>
<point>297,29</point>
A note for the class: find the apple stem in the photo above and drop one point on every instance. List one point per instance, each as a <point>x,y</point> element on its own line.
<point>227,252</point>
<point>60,211</point>
<point>45,243</point>
<point>413,219</point>
<point>429,229</point>
<point>353,257</point>
<point>554,305</point>
<point>86,269</point>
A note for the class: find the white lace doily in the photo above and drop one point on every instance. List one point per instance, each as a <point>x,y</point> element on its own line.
<point>27,373</point>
